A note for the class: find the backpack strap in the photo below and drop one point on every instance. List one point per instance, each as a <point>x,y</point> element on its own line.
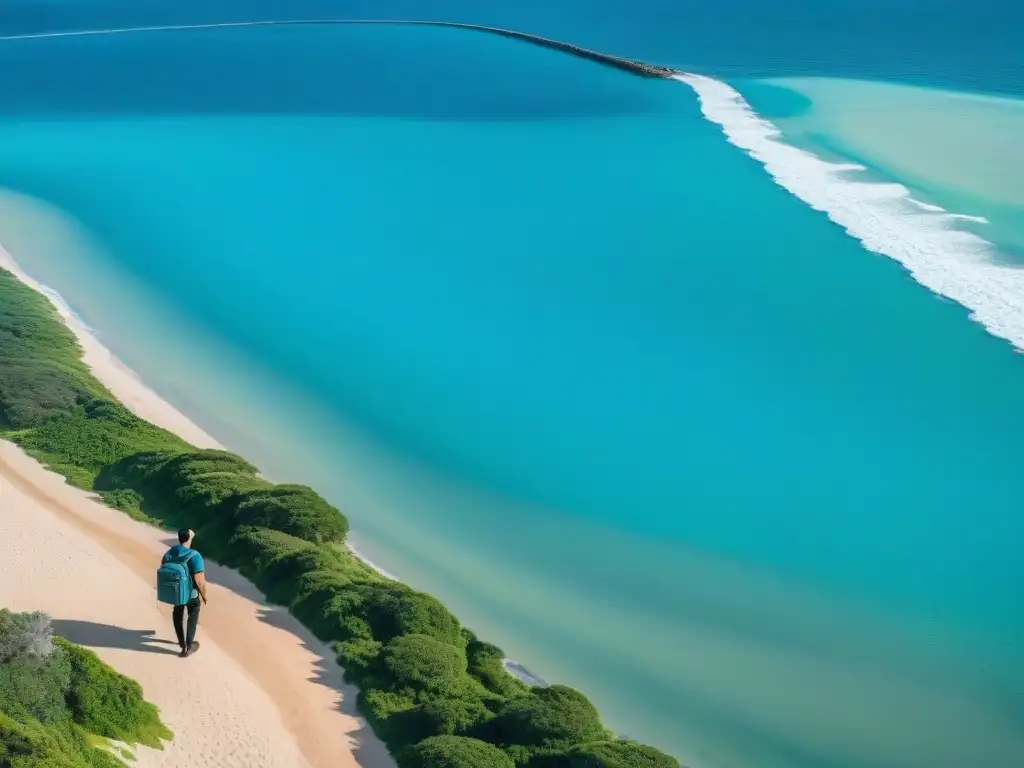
<point>183,560</point>
<point>191,576</point>
<point>168,558</point>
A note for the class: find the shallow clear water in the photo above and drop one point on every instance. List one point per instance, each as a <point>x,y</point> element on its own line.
<point>567,358</point>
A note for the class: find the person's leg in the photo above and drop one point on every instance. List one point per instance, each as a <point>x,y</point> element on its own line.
<point>193,621</point>
<point>177,615</point>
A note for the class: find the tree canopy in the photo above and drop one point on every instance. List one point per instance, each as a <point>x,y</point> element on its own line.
<point>454,752</point>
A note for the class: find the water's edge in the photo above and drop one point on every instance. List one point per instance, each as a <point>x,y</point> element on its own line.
<point>129,387</point>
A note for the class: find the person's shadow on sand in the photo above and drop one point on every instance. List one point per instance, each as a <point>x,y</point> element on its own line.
<point>90,633</point>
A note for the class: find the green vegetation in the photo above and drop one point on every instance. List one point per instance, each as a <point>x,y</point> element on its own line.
<point>59,704</point>
<point>552,718</point>
<point>454,752</point>
<point>108,704</point>
<point>437,695</point>
<point>49,402</point>
<point>614,754</point>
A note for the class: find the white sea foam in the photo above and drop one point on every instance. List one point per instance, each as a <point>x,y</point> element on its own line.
<point>927,206</point>
<point>64,310</point>
<point>952,262</point>
<point>968,217</point>
<point>939,209</point>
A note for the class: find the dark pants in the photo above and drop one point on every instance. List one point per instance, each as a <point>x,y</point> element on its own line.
<point>185,639</point>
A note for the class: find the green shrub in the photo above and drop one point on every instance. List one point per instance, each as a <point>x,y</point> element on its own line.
<point>403,717</point>
<point>94,434</point>
<point>55,696</point>
<point>423,662</point>
<point>36,688</point>
<point>380,707</point>
<point>131,472</point>
<point>107,703</point>
<point>196,488</point>
<point>486,664</point>
<point>275,561</point>
<point>214,495</point>
<point>175,472</point>
<point>42,376</point>
<point>213,538</point>
<point>446,699</point>
<point>454,752</point>
<point>450,712</point>
<point>393,609</point>
<point>35,392</point>
<point>318,604</point>
<point>30,744</point>
<point>181,486</point>
<point>206,482</point>
<point>294,509</point>
<point>253,548</point>
<point>556,717</point>
<point>612,754</point>
<point>344,591</point>
<point>287,568</point>
<point>125,499</point>
<point>34,674</point>
<point>359,656</point>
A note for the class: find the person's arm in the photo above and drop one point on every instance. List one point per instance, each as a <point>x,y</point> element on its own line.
<point>201,585</point>
<point>198,575</point>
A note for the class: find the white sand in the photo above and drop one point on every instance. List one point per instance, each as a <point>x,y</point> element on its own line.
<point>262,692</point>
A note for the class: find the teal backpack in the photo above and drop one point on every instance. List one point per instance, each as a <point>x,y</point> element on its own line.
<point>174,581</point>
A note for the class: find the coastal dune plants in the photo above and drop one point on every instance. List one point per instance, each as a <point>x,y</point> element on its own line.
<point>436,694</point>
<point>58,701</point>
<point>454,752</point>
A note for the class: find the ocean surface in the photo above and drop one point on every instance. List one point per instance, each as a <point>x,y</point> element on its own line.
<point>702,396</point>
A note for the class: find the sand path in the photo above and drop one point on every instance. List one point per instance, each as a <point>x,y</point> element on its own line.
<point>261,693</point>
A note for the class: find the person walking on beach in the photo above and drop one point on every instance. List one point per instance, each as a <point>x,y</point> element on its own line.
<point>181,582</point>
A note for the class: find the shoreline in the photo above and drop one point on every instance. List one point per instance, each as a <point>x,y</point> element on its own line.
<point>513,667</point>
<point>122,382</point>
<point>128,387</point>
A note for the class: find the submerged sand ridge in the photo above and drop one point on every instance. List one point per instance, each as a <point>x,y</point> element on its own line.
<point>261,693</point>
<point>633,66</point>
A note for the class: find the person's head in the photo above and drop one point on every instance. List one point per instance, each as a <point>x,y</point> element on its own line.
<point>185,537</point>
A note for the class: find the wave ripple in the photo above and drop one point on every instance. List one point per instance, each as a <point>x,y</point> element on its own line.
<point>954,263</point>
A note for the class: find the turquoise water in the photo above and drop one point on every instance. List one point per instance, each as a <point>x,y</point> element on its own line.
<point>569,360</point>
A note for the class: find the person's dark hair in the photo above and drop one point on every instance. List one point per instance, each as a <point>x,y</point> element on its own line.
<point>183,535</point>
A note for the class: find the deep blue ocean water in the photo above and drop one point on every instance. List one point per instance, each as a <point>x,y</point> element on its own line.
<point>567,358</point>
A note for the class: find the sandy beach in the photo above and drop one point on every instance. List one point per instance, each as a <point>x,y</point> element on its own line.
<point>262,692</point>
